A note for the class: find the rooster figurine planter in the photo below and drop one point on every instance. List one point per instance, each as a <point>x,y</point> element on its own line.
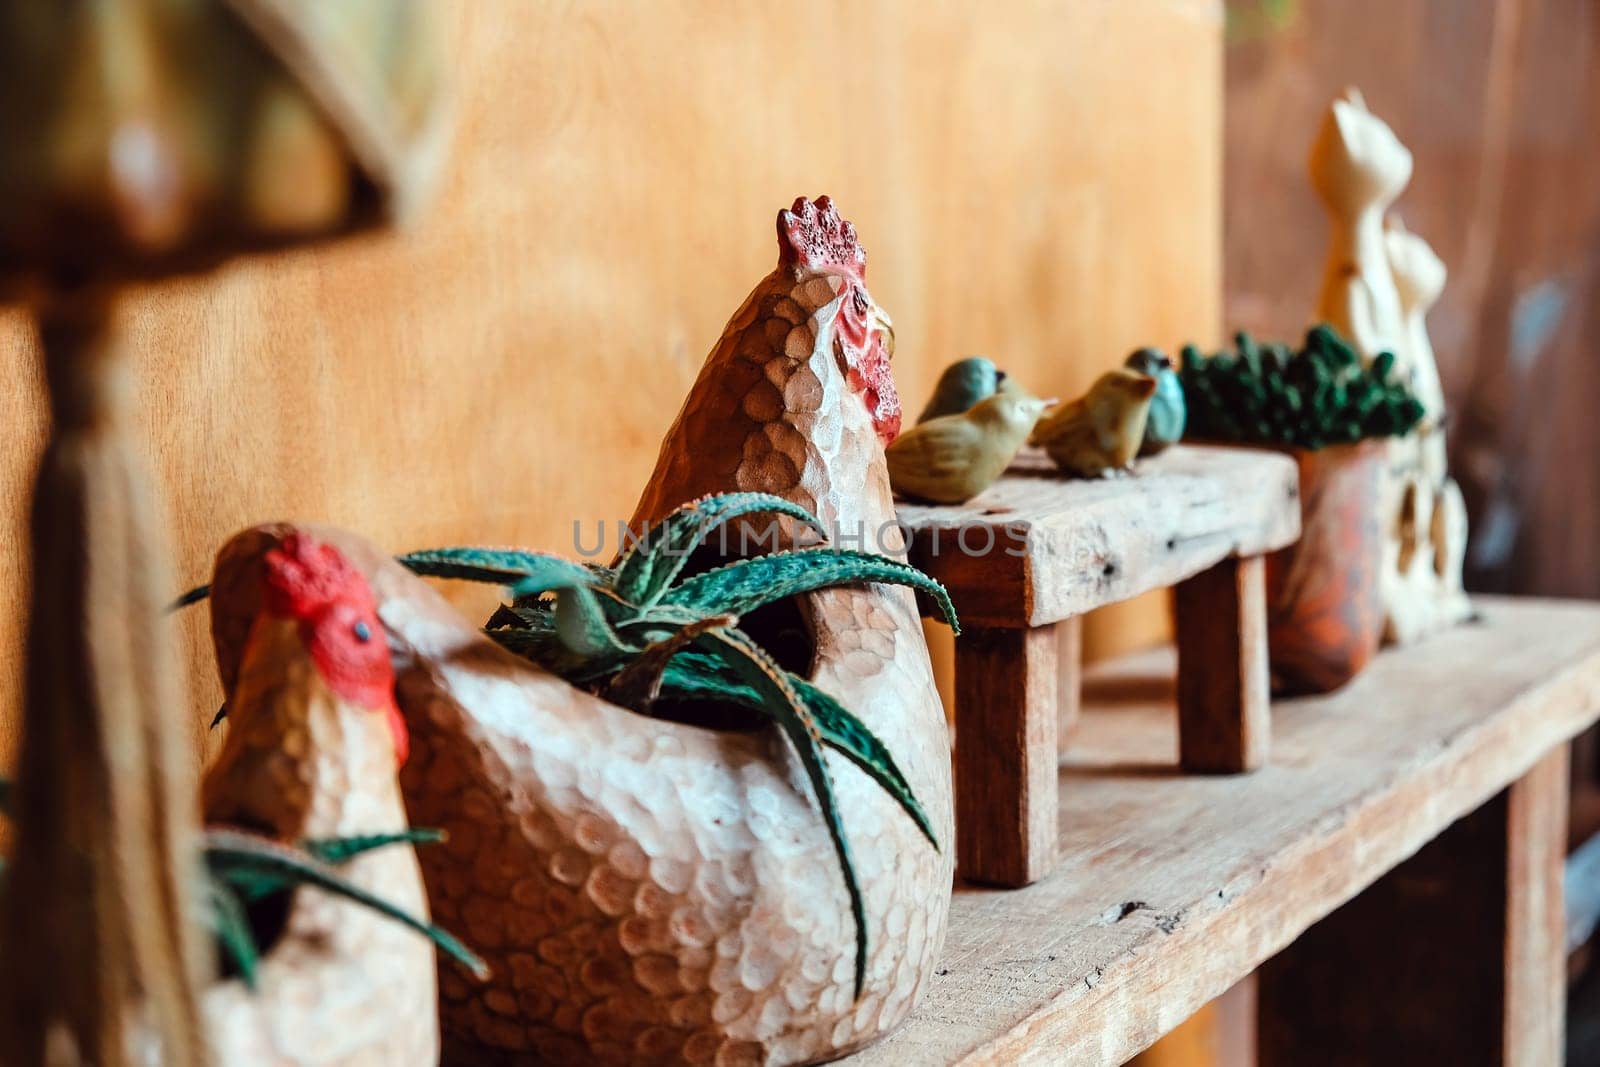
<point>311,755</point>
<point>649,891</point>
<point>142,139</point>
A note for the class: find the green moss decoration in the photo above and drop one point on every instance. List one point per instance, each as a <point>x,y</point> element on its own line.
<point>1322,395</point>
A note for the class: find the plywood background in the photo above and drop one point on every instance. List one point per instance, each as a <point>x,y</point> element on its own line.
<point>1039,182</point>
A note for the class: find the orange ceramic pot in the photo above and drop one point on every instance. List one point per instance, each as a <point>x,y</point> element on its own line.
<point>1324,615</point>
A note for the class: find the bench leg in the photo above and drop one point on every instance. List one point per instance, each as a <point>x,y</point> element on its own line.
<point>1456,956</point>
<point>1007,685</point>
<point>1224,687</point>
<point>1069,673</point>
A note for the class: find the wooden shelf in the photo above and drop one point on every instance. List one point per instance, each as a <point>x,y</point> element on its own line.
<point>1038,547</point>
<point>1172,888</point>
<point>1034,551</point>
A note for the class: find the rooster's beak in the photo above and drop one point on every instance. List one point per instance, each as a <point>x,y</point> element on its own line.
<point>402,657</point>
<point>885,327</point>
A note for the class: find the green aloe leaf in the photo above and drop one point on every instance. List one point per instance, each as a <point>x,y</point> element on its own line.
<point>193,596</point>
<point>784,703</point>
<point>496,566</point>
<point>337,850</point>
<point>694,675</point>
<point>232,854</point>
<point>638,684</point>
<point>746,584</point>
<point>647,569</point>
<point>231,924</point>
<point>538,571</point>
<point>581,623</point>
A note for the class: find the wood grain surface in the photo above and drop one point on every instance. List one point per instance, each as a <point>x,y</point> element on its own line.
<point>1224,692</point>
<point>1039,183</point>
<point>1007,723</point>
<point>1174,887</point>
<point>1037,547</point>
<point>1468,936</point>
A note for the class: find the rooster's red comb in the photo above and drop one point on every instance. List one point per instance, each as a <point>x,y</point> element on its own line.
<point>303,575</point>
<point>814,236</point>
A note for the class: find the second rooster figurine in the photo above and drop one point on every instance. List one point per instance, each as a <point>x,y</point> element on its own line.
<point>1099,433</point>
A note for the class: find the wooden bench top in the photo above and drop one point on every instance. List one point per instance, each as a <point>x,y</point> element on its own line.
<point>1172,888</point>
<point>1038,547</point>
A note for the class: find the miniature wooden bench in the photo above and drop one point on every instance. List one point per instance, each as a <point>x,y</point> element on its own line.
<point>1028,557</point>
<point>1411,824</point>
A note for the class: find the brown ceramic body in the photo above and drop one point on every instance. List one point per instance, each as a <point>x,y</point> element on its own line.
<point>1324,612</point>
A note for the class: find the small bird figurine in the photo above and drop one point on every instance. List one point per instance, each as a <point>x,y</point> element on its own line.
<point>1168,410</point>
<point>952,458</point>
<point>1100,432</point>
<point>963,384</point>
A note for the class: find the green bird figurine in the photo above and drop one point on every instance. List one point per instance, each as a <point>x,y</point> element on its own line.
<point>1100,432</point>
<point>952,458</point>
<point>963,384</point>
<point>1168,410</point>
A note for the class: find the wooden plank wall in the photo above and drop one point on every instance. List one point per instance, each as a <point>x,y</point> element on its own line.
<point>1039,182</point>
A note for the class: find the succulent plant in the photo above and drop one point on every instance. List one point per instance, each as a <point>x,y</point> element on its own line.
<point>243,869</point>
<point>1321,395</point>
<point>647,631</point>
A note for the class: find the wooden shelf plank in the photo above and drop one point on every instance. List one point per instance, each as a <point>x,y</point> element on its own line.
<point>1172,888</point>
<point>1037,547</point>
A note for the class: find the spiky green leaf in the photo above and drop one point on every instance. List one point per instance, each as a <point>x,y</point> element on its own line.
<point>637,685</point>
<point>746,584</point>
<point>231,924</point>
<point>784,703</point>
<point>537,571</point>
<point>193,596</point>
<point>232,854</point>
<point>648,568</point>
<point>694,675</point>
<point>582,625</point>
<point>337,850</point>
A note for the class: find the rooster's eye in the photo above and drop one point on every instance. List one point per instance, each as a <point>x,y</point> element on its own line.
<point>363,634</point>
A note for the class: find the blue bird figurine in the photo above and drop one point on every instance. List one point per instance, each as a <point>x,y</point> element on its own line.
<point>963,384</point>
<point>1169,412</point>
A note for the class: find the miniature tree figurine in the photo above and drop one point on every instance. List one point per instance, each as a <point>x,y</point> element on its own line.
<point>142,139</point>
